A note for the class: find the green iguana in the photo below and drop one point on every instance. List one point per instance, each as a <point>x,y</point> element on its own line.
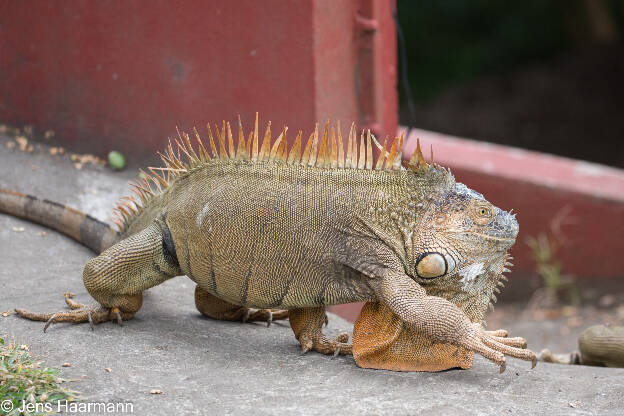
<point>269,233</point>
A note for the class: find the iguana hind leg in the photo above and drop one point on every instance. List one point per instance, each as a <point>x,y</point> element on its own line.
<point>216,308</point>
<point>307,323</point>
<point>117,277</point>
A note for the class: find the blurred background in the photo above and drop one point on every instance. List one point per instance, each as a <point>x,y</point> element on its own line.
<point>541,75</point>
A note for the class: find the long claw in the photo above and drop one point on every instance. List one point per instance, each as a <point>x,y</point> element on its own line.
<point>246,316</point>
<point>503,367</point>
<point>118,315</point>
<point>269,318</point>
<point>48,323</point>
<point>533,363</point>
<point>90,321</point>
<point>305,350</point>
<point>337,351</point>
<point>72,304</point>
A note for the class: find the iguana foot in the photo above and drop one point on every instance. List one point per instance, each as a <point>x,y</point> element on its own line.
<point>320,343</point>
<point>306,323</point>
<point>547,356</point>
<point>262,315</point>
<point>494,345</point>
<point>216,308</point>
<point>79,313</point>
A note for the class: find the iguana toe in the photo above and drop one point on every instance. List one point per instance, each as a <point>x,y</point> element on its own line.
<point>117,313</point>
<point>78,313</point>
<point>265,315</point>
<point>70,302</point>
<point>495,348</point>
<point>320,343</point>
<point>307,324</point>
<point>343,337</point>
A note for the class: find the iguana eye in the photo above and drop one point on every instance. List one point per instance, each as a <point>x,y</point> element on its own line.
<point>431,265</point>
<point>483,214</point>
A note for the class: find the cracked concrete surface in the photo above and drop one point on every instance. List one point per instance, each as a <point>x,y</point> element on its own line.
<point>211,367</point>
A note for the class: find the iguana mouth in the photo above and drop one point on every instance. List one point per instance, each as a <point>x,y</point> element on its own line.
<point>492,238</point>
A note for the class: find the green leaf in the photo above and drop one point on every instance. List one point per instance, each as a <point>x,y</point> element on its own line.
<point>116,160</point>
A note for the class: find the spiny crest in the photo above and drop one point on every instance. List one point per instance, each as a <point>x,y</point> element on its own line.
<point>323,150</point>
<point>501,279</point>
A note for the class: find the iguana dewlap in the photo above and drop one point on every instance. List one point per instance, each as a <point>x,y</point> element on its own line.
<point>381,340</point>
<point>268,232</point>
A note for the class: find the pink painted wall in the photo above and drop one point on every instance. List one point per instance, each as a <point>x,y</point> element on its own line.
<point>123,75</point>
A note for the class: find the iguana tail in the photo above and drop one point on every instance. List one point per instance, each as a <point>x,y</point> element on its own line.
<point>88,231</point>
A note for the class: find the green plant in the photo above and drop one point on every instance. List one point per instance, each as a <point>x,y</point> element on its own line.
<point>24,380</point>
<point>549,269</point>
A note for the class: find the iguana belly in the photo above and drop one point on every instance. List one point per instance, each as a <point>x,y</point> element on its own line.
<point>267,282</point>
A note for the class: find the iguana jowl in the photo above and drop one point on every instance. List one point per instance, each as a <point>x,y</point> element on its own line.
<point>287,232</point>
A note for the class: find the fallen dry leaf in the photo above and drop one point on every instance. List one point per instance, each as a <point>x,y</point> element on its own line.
<point>156,391</point>
<point>85,159</point>
<point>41,233</point>
<point>607,301</point>
<point>569,311</point>
<point>7,313</point>
<point>22,142</point>
<point>108,370</point>
<point>66,365</point>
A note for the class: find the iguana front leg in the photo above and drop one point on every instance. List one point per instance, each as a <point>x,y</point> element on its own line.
<point>116,279</point>
<point>307,323</point>
<point>216,308</point>
<point>442,321</point>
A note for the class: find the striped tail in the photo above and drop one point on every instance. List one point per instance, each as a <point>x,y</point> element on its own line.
<point>88,231</point>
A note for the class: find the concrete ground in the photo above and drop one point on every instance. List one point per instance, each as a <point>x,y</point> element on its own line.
<point>211,367</point>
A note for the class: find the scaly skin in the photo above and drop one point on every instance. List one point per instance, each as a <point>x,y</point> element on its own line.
<point>257,228</point>
<point>599,345</point>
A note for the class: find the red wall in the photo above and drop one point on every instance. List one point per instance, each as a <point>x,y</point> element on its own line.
<point>579,205</point>
<point>121,75</point>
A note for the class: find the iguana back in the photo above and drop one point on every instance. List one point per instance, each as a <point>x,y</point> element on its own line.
<point>242,223</point>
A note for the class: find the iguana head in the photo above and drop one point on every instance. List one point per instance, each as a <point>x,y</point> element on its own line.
<point>460,249</point>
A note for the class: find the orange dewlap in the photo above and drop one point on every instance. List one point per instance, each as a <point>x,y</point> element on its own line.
<point>382,341</point>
